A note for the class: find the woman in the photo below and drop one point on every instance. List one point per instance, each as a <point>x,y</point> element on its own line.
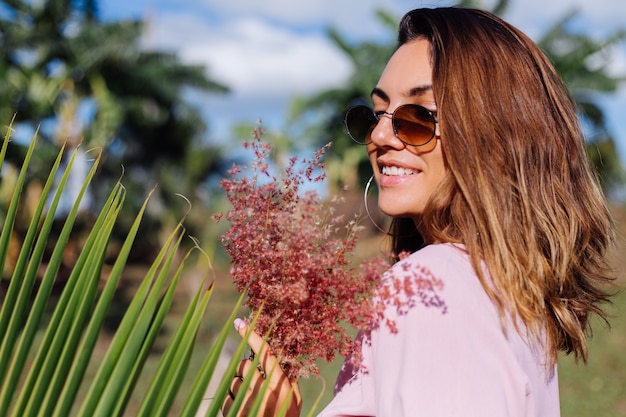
<point>478,156</point>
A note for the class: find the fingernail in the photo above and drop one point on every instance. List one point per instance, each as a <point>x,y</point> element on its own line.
<point>239,323</point>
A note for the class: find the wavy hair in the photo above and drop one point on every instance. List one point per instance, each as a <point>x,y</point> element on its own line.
<point>519,193</point>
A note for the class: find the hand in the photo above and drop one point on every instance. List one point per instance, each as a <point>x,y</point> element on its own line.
<point>279,390</point>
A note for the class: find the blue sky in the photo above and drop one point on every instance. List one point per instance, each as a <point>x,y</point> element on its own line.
<point>270,51</point>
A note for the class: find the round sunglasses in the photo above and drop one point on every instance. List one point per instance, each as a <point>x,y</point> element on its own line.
<point>412,124</point>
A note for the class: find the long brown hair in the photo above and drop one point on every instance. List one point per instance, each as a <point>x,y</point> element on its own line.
<point>519,193</point>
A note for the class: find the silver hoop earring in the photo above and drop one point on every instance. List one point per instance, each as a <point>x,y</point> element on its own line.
<point>367,209</point>
<point>413,233</point>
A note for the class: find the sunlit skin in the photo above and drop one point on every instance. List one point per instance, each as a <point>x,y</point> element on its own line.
<point>279,389</point>
<point>407,79</point>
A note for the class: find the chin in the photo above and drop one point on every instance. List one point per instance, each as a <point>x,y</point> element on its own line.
<point>396,211</point>
<point>396,206</point>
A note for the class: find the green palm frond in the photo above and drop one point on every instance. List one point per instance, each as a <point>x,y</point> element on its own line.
<point>44,360</point>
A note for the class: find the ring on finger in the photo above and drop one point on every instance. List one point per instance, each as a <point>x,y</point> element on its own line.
<point>261,371</point>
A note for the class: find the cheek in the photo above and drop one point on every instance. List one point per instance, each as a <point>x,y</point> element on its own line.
<point>441,172</point>
<point>371,153</point>
<point>437,170</point>
<point>370,148</point>
<point>436,161</point>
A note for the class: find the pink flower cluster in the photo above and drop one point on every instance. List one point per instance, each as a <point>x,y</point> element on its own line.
<point>291,253</point>
<point>405,288</point>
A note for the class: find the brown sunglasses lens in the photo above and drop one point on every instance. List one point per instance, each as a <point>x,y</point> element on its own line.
<point>414,124</point>
<point>360,121</point>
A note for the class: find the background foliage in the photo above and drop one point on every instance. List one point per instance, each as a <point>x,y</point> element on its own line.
<point>57,75</point>
<point>581,60</point>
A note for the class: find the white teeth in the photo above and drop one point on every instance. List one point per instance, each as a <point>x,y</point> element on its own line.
<point>397,171</point>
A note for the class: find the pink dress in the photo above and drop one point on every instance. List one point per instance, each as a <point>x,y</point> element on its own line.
<point>449,357</point>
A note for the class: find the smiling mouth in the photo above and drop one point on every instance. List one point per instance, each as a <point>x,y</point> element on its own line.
<point>397,171</point>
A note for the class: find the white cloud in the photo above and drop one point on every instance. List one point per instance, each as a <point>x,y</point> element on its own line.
<point>269,50</point>
<point>254,57</point>
<point>354,17</point>
<point>534,16</point>
<point>283,10</point>
<point>306,12</point>
<point>604,13</point>
<point>617,65</point>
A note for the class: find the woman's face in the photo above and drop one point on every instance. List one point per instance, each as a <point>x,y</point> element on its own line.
<point>406,175</point>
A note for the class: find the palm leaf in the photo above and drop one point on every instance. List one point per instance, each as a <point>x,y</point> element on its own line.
<point>197,392</point>
<point>43,363</point>
<point>35,315</point>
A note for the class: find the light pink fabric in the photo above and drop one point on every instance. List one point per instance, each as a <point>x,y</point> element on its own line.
<point>452,361</point>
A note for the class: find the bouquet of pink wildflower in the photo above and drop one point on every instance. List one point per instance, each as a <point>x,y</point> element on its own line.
<point>290,252</point>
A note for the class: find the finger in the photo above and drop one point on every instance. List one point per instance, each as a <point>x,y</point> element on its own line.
<point>279,384</point>
<point>256,376</point>
<point>258,345</point>
<point>255,341</point>
<point>296,393</point>
<point>283,388</point>
<point>244,367</point>
<point>275,374</point>
<point>235,385</point>
<point>294,398</point>
<point>228,403</point>
<point>243,408</point>
<point>247,397</point>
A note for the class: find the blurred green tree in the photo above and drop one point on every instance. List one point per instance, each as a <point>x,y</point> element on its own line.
<point>581,60</point>
<point>83,80</point>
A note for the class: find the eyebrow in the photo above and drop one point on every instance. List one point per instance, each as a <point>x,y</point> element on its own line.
<point>415,91</point>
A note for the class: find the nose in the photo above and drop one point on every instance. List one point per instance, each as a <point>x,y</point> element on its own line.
<point>383,135</point>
